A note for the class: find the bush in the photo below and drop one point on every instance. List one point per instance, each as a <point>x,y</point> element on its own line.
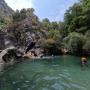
<point>87,44</point>
<point>51,47</point>
<point>75,42</point>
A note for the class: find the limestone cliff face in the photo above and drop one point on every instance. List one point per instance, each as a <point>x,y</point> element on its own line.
<point>5,10</point>
<point>2,45</point>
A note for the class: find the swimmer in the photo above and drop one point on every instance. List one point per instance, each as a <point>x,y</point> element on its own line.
<point>83,61</point>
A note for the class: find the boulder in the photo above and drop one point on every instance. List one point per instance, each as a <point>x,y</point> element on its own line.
<point>9,56</point>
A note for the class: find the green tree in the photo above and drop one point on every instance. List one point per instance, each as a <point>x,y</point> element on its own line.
<point>87,44</point>
<point>46,24</point>
<point>75,42</point>
<point>51,47</point>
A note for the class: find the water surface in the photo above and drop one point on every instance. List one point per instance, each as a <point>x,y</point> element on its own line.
<point>57,73</point>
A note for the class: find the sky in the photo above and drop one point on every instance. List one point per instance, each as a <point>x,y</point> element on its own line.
<point>52,9</point>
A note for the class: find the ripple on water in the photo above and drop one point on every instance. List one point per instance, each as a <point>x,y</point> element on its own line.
<point>50,78</point>
<point>18,89</point>
<point>78,87</point>
<point>57,86</point>
<point>45,89</point>
<point>65,77</point>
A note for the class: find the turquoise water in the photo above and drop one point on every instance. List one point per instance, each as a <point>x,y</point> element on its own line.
<point>57,73</point>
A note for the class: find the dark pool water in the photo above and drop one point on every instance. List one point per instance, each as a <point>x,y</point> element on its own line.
<point>57,73</point>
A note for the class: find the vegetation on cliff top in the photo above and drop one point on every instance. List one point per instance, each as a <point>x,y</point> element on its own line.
<point>73,33</point>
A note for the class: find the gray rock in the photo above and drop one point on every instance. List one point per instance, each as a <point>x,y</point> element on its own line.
<point>5,9</point>
<point>8,57</point>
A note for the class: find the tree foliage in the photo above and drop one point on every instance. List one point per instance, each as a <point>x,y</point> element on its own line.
<point>73,33</point>
<point>75,42</point>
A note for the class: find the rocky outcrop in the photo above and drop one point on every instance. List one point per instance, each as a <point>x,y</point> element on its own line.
<point>5,10</point>
<point>2,44</point>
<point>8,57</point>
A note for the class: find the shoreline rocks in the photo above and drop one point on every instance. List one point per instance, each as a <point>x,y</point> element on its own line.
<point>8,57</point>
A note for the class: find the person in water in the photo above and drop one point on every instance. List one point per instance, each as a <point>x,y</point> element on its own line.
<point>84,61</point>
<point>84,58</point>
